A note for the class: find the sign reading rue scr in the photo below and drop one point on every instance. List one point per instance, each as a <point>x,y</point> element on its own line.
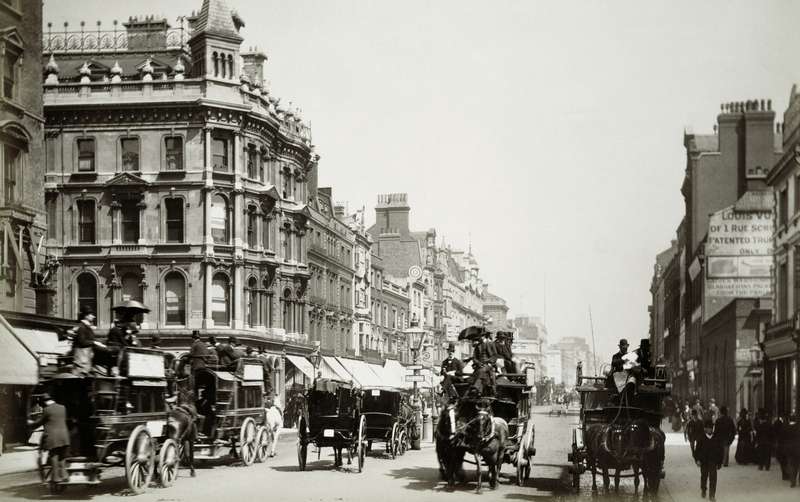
<point>738,255</point>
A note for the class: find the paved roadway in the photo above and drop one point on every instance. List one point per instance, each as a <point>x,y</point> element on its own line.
<point>413,477</point>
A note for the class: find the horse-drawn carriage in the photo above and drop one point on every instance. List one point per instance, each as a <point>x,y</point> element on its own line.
<point>333,418</point>
<point>620,431</point>
<point>114,420</point>
<point>387,418</point>
<point>495,430</point>
<point>230,404</point>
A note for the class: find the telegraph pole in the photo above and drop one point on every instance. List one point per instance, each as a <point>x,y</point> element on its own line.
<point>594,347</point>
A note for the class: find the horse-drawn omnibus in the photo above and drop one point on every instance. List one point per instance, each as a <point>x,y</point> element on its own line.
<point>230,404</point>
<point>495,430</point>
<point>333,418</point>
<point>620,431</point>
<point>114,420</point>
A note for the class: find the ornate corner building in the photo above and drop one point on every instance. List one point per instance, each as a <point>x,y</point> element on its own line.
<point>25,284</point>
<point>174,177</point>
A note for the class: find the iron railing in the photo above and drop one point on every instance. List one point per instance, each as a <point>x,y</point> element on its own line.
<point>116,40</point>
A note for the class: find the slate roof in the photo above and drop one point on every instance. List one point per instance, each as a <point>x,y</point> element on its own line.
<point>216,17</point>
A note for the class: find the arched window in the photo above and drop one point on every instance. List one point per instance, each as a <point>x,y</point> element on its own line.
<point>252,302</point>
<point>175,299</point>
<point>87,292</point>
<point>288,307</point>
<point>230,66</point>
<point>220,300</point>
<point>215,56</point>
<point>220,231</point>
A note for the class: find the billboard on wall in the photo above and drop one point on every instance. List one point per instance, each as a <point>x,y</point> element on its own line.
<point>738,256</point>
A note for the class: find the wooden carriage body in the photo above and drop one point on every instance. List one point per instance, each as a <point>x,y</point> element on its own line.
<point>113,420</point>
<point>332,418</point>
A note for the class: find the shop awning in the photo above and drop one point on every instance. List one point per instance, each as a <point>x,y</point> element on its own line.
<point>332,370</point>
<point>302,364</point>
<point>383,376</point>
<point>396,374</point>
<point>361,372</point>
<point>19,365</point>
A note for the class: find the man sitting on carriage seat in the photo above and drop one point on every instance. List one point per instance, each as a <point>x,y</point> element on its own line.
<point>484,358</point>
<point>452,369</point>
<point>628,369</point>
<point>502,345</point>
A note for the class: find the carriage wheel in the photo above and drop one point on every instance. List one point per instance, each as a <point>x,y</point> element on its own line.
<point>362,439</point>
<point>520,467</point>
<point>247,441</point>
<point>168,462</point>
<point>262,444</point>
<point>393,446</point>
<point>140,459</point>
<point>302,445</point>
<point>402,443</point>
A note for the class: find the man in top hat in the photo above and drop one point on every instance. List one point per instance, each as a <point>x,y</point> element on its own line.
<point>83,342</point>
<point>227,353</point>
<point>502,345</point>
<point>452,368</point>
<point>617,361</point>
<point>484,357</point>
<point>199,352</point>
<point>55,438</point>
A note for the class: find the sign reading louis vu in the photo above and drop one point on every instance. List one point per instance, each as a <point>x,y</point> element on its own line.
<point>739,254</point>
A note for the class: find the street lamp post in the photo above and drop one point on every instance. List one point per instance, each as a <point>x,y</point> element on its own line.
<point>416,339</point>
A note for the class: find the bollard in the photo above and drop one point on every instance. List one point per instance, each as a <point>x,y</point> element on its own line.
<point>427,431</point>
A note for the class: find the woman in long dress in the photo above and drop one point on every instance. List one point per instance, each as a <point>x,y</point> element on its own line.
<point>745,453</point>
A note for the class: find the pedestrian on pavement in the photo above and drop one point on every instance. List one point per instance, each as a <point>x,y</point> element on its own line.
<point>764,439</point>
<point>713,410</point>
<point>694,428</point>
<point>790,443</point>
<point>726,429</point>
<point>55,438</point>
<point>708,455</point>
<point>745,453</point>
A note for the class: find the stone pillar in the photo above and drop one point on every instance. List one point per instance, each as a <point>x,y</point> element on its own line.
<point>236,222</point>
<point>142,206</point>
<point>207,320</point>
<point>238,304</point>
<point>116,238</point>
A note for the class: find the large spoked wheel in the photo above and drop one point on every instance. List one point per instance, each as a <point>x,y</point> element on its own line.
<point>140,459</point>
<point>361,445</point>
<point>247,441</point>
<point>394,441</point>
<point>402,443</point>
<point>168,462</point>
<point>262,444</point>
<point>302,445</point>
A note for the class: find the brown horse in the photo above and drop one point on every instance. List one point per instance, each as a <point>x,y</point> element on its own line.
<point>182,423</point>
<point>485,437</point>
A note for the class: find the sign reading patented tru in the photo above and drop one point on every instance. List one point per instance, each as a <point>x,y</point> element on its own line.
<point>738,255</point>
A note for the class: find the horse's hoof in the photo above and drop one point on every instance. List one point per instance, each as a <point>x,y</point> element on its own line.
<point>192,474</point>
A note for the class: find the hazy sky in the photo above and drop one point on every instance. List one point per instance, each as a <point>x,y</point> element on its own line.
<point>549,131</point>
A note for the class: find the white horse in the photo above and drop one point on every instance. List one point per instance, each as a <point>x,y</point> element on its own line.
<point>274,423</point>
